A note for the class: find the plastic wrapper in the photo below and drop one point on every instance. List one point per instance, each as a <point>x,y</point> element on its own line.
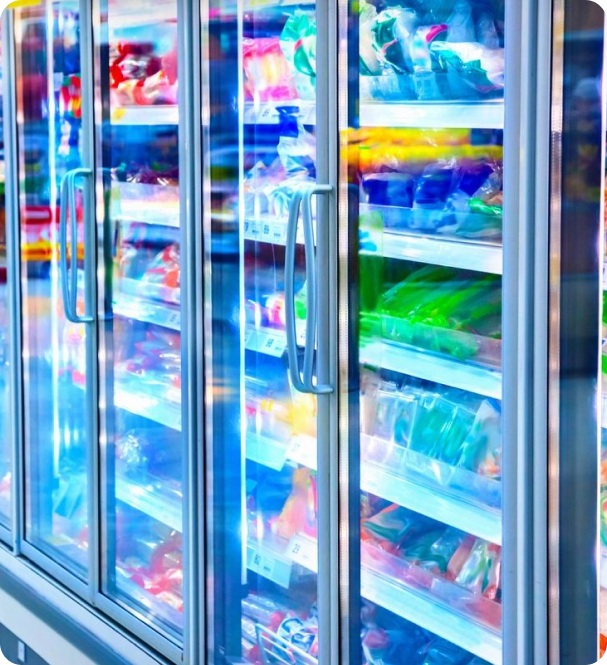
<point>296,147</point>
<point>299,513</point>
<point>298,42</point>
<point>444,311</point>
<point>162,279</point>
<point>267,72</point>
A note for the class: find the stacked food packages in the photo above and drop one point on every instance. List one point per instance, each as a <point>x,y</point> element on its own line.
<point>151,558</point>
<point>441,437</point>
<point>427,51</point>
<point>144,73</point>
<point>442,310</point>
<point>438,182</point>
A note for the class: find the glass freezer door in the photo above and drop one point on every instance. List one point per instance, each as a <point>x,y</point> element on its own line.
<point>49,106</point>
<point>425,163</point>
<point>6,494</point>
<point>142,443</point>
<point>262,225</point>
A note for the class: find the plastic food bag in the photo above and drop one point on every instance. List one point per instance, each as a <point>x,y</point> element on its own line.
<point>298,42</point>
<point>268,76</point>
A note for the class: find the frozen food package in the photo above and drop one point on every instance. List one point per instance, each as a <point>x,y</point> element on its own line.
<point>298,42</point>
<point>267,72</point>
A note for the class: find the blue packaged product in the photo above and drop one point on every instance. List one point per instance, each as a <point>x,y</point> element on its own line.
<point>434,186</point>
<point>393,189</point>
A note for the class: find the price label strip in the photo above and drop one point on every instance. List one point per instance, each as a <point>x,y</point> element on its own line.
<point>304,552</point>
<point>267,564</point>
<point>303,450</point>
<point>271,343</point>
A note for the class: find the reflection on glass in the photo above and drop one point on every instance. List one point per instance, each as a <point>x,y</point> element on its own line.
<point>262,150</point>
<point>48,105</point>
<point>430,296</point>
<point>5,419</point>
<point>143,463</point>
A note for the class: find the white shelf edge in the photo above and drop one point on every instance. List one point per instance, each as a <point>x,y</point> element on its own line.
<point>438,251</point>
<point>420,609</point>
<point>420,115</point>
<point>438,369</point>
<point>162,509</point>
<point>139,403</point>
<point>161,13</point>
<point>138,309</point>
<point>476,520</point>
<point>265,113</point>
<point>451,253</point>
<point>154,116</point>
<point>432,616</point>
<point>479,521</point>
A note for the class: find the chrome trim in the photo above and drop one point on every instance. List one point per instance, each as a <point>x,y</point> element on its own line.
<point>521,312</point>
<point>91,306</point>
<point>205,505</point>
<point>554,338</point>
<point>13,263</point>
<point>77,609</point>
<point>541,325</point>
<point>189,63</point>
<point>347,427</point>
<point>327,142</point>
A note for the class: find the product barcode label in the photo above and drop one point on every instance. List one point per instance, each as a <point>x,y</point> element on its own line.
<point>302,550</point>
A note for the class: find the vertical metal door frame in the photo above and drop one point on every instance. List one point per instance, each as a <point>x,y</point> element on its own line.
<point>327,172</point>
<point>13,263</point>
<point>525,322</point>
<point>349,468</point>
<point>91,262</point>
<point>190,104</point>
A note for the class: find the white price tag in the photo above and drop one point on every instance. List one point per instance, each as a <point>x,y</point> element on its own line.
<point>254,229</point>
<point>174,320</point>
<point>267,114</point>
<point>303,450</point>
<point>279,233</point>
<point>302,550</point>
<point>264,563</point>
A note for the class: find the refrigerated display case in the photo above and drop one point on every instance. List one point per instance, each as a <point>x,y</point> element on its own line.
<point>284,320</point>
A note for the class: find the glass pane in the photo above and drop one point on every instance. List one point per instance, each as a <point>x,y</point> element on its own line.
<point>425,160</point>
<point>142,444</point>
<point>262,149</point>
<point>5,413</point>
<point>48,110</point>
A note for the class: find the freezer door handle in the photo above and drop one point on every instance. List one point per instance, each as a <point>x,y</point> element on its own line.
<point>305,383</point>
<point>69,271</point>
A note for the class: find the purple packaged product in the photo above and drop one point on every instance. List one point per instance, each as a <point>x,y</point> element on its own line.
<point>390,189</point>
